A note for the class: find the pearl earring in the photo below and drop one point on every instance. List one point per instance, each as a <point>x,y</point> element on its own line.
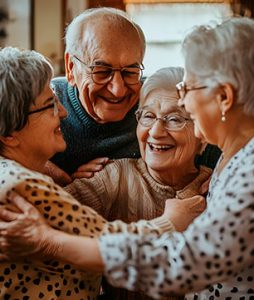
<point>223,117</point>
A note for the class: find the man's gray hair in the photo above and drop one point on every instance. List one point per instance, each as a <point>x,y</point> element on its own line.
<point>166,79</point>
<point>76,30</point>
<point>224,54</point>
<point>23,76</point>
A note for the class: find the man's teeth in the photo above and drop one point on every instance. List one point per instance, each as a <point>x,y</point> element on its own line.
<point>160,147</point>
<point>115,101</point>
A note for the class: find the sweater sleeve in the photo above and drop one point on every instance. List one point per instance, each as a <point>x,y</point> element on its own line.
<point>157,226</point>
<point>99,192</point>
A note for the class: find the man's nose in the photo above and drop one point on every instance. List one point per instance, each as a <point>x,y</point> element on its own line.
<point>117,86</point>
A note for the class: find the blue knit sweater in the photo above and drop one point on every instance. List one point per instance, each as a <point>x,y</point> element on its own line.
<point>86,139</point>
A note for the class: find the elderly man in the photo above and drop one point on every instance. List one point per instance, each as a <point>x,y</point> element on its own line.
<point>103,62</point>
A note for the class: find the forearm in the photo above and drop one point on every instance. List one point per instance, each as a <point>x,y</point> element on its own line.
<point>80,251</point>
<point>158,225</point>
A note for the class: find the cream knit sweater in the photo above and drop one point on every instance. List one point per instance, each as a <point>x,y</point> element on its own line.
<point>125,190</point>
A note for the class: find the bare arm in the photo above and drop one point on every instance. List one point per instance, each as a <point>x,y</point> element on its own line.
<point>83,252</point>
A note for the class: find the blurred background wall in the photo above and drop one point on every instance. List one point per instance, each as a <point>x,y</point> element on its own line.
<point>40,25</point>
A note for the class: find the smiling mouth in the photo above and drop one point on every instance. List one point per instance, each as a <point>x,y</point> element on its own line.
<point>114,101</point>
<point>160,148</point>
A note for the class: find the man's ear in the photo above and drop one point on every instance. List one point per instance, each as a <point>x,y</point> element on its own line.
<point>10,140</point>
<point>226,97</point>
<point>69,69</point>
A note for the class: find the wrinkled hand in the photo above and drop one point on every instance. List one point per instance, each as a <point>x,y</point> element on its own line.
<point>181,212</point>
<point>24,233</point>
<point>93,166</point>
<point>58,175</point>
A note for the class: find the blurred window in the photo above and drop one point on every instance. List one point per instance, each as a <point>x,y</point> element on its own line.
<point>166,24</point>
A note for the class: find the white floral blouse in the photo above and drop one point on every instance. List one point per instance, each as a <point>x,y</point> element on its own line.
<point>212,259</point>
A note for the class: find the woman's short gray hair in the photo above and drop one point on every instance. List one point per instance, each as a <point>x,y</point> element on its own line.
<point>166,79</point>
<point>23,76</point>
<point>76,29</point>
<point>224,54</point>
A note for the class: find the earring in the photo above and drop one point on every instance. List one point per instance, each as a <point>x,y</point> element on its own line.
<point>223,117</point>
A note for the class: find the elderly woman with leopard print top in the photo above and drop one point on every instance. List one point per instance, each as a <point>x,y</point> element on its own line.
<point>29,135</point>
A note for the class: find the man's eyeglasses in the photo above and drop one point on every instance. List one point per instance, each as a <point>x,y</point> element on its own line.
<point>182,89</point>
<point>104,74</point>
<point>53,105</point>
<point>171,122</point>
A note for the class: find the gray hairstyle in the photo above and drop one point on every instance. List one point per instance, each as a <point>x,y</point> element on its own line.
<point>166,79</point>
<point>224,54</point>
<point>76,29</point>
<point>23,76</point>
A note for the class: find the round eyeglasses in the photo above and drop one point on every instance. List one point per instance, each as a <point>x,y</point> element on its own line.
<point>172,122</point>
<point>103,74</point>
<point>182,89</point>
<point>53,104</point>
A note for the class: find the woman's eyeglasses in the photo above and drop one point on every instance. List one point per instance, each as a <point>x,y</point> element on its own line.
<point>53,105</point>
<point>182,89</point>
<point>172,122</point>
